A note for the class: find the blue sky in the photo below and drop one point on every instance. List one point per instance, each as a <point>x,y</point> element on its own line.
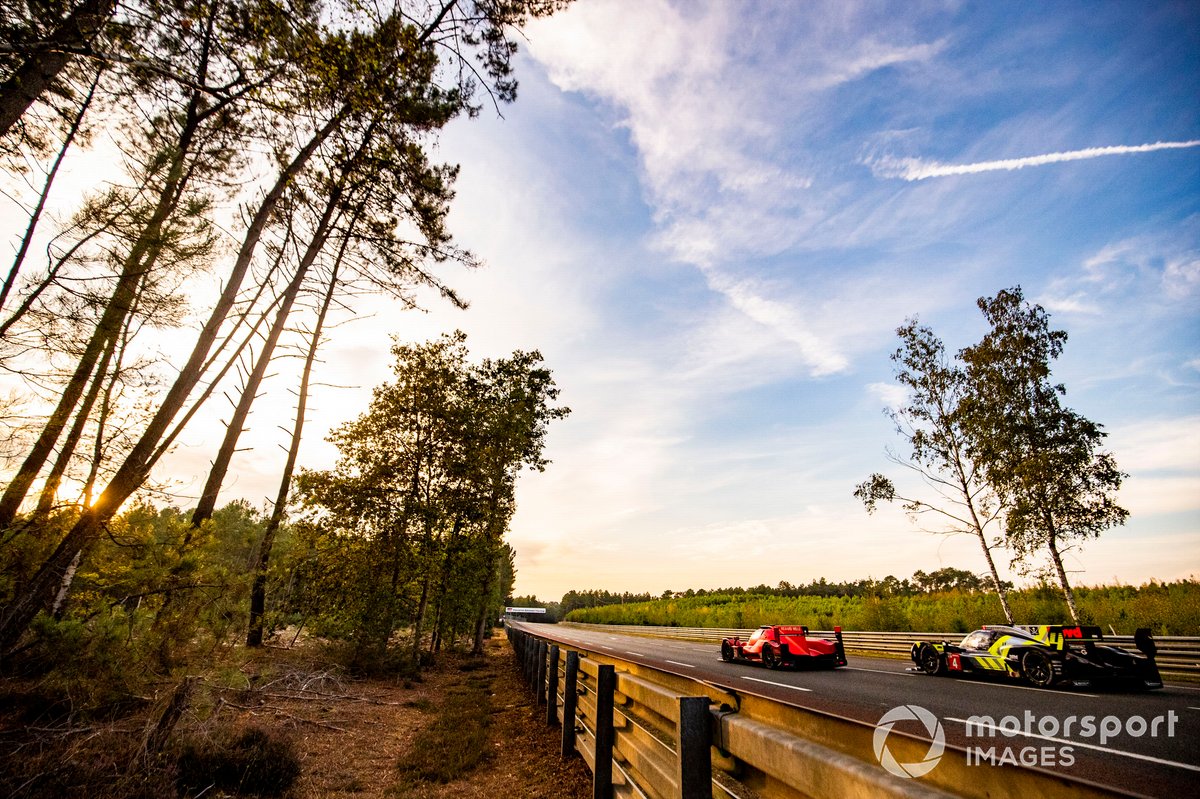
<point>711,217</point>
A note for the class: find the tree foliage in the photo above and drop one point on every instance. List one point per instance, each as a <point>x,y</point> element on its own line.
<point>931,422</point>
<point>407,529</point>
<point>1044,459</point>
<point>280,108</point>
<point>990,435</point>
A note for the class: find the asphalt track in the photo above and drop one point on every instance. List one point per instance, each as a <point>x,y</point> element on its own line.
<point>1160,758</point>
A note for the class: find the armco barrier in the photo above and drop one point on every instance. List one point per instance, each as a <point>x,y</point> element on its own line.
<point>1177,655</point>
<point>650,734</point>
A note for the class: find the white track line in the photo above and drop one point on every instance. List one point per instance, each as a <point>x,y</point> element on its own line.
<point>778,684</point>
<point>880,671</point>
<point>677,663</point>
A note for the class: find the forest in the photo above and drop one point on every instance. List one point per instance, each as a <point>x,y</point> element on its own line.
<point>1165,608</point>
<point>272,172</point>
<point>946,600</point>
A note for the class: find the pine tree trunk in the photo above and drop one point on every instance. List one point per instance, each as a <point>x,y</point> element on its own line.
<point>258,591</point>
<point>137,264</point>
<point>36,215</point>
<point>39,592</point>
<point>419,622</point>
<point>439,618</point>
<point>485,608</point>
<point>67,451</point>
<point>235,427</point>
<point>39,70</point>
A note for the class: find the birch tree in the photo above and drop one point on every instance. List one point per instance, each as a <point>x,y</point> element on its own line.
<point>930,422</point>
<point>1042,458</point>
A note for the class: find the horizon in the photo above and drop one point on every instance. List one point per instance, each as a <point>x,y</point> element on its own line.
<point>749,589</point>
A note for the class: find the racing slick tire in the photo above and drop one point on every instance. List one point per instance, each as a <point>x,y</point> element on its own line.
<point>727,653</point>
<point>770,658</point>
<point>930,660</point>
<point>1036,668</point>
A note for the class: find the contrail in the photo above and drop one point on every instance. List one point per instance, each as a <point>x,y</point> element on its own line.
<point>916,169</point>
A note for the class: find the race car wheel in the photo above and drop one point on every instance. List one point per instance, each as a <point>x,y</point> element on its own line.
<point>726,651</point>
<point>770,658</point>
<point>930,660</point>
<point>1037,668</point>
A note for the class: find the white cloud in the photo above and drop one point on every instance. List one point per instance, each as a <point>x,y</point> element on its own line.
<point>1159,446</point>
<point>820,356</point>
<point>1181,276</point>
<point>890,394</point>
<point>708,128</point>
<point>1076,304</point>
<point>869,55</point>
<point>1162,268</point>
<point>920,169</point>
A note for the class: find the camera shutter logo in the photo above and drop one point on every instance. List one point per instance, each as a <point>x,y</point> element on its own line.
<point>932,726</point>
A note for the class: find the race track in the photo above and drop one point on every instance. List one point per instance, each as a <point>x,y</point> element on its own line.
<point>1143,743</point>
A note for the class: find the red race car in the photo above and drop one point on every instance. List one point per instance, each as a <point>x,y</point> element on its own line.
<point>777,645</point>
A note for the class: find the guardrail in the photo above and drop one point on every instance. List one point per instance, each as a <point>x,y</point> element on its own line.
<point>1178,656</point>
<point>649,734</point>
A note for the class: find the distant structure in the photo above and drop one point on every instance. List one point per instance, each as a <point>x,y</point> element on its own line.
<point>523,614</point>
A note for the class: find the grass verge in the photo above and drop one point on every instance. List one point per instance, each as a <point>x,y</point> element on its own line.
<point>457,740</point>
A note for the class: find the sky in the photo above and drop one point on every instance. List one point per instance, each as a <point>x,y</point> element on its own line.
<point>711,217</point>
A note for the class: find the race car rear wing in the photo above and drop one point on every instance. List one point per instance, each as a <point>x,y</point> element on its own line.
<point>1058,635</point>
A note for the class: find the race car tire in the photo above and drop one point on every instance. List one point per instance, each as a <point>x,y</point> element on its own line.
<point>770,658</point>
<point>1036,668</point>
<point>930,660</point>
<point>727,654</point>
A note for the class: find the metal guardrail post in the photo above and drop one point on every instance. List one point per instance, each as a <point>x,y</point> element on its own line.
<point>693,735</point>
<point>552,687</point>
<point>606,683</point>
<point>541,648</point>
<point>570,697</point>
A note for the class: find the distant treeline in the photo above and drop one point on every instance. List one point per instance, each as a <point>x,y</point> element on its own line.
<point>1166,608</point>
<point>947,579</point>
<point>946,600</point>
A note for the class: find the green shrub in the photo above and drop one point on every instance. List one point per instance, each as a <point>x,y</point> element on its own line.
<point>254,761</point>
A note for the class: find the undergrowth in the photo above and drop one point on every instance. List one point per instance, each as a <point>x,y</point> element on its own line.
<point>458,738</point>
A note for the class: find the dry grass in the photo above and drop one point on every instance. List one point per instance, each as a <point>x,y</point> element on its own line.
<point>468,729</point>
<point>377,739</point>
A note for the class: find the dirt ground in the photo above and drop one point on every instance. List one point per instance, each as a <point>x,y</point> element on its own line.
<point>352,734</point>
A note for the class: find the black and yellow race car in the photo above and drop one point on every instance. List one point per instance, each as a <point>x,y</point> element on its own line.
<point>1044,655</point>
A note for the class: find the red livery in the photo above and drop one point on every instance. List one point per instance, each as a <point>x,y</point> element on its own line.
<point>778,645</point>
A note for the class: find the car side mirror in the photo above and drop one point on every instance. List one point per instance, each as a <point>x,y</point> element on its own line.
<point>1145,642</point>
